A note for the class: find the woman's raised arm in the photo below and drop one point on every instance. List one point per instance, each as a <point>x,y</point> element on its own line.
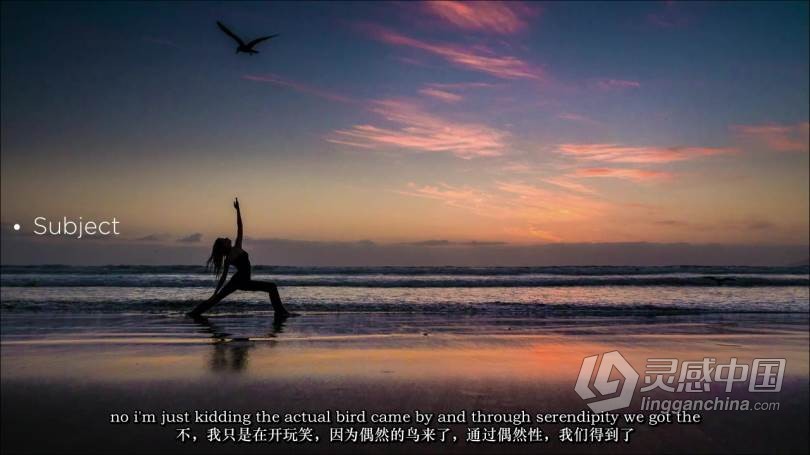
<point>238,223</point>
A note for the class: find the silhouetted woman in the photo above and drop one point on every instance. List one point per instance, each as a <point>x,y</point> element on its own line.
<point>223,255</point>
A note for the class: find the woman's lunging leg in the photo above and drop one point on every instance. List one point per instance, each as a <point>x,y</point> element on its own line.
<point>271,289</point>
<point>226,290</point>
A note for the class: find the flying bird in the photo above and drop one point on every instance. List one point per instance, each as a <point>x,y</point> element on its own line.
<point>247,48</point>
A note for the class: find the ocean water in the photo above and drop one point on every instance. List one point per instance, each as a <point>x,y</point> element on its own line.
<point>509,291</point>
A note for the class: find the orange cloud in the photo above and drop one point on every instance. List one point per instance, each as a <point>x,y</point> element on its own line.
<point>637,175</point>
<point>515,201</point>
<point>781,138</point>
<point>476,59</point>
<point>503,18</point>
<point>568,184</point>
<point>560,204</point>
<point>423,132</point>
<point>615,153</point>
<point>523,213</point>
<point>453,195</point>
<point>463,197</point>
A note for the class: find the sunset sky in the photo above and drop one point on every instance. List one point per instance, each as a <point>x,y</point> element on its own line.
<point>521,123</point>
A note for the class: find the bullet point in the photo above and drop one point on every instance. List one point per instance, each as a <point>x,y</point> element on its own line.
<point>16,227</point>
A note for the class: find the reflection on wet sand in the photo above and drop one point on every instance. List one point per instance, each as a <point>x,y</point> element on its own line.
<point>232,353</point>
<point>421,348</point>
<point>230,356</point>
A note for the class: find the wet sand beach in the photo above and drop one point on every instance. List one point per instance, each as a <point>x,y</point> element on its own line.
<point>62,376</point>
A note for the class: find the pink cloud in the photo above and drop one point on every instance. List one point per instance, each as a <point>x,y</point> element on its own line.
<point>517,167</point>
<point>474,58</point>
<point>617,84</point>
<point>462,85</point>
<point>441,95</point>
<point>781,138</point>
<point>615,153</point>
<point>417,130</point>
<point>447,91</point>
<point>299,87</point>
<point>637,175</point>
<point>503,18</point>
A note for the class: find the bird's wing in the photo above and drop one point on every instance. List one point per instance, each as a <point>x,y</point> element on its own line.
<point>259,40</point>
<point>230,33</point>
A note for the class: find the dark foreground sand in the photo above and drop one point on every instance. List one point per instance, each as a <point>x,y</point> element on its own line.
<point>62,378</point>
